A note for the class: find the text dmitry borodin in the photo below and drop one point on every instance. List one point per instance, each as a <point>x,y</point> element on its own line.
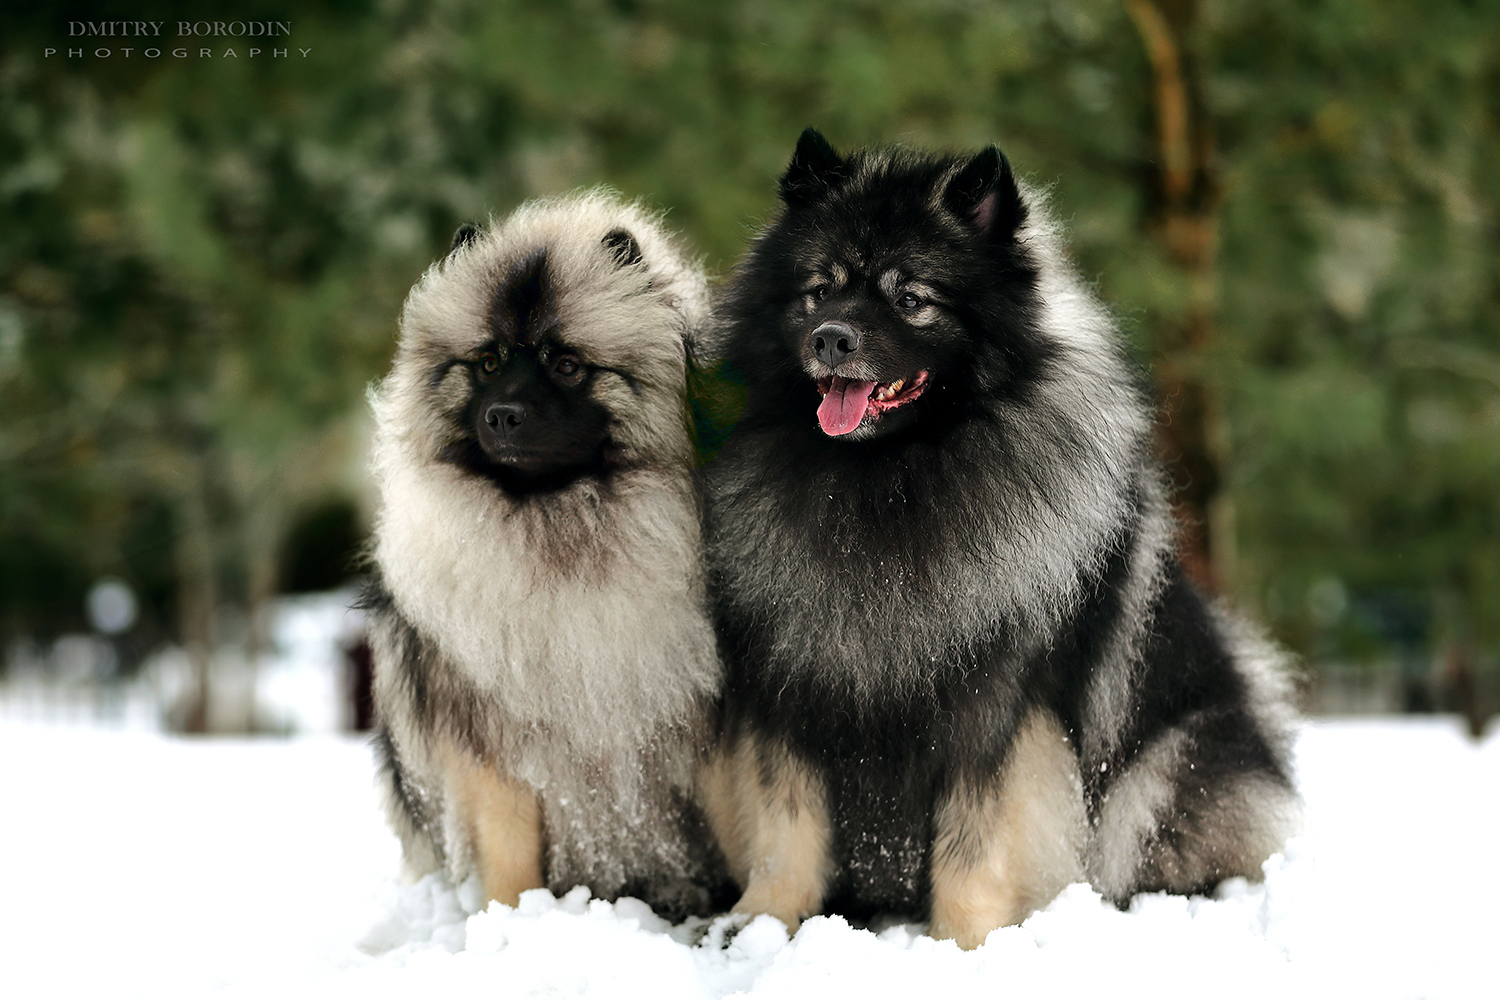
<point>185,29</point>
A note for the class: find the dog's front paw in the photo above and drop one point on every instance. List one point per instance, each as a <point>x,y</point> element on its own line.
<point>679,900</point>
<point>721,931</point>
<point>750,933</point>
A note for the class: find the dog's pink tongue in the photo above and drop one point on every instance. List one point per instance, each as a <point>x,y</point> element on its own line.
<point>844,406</point>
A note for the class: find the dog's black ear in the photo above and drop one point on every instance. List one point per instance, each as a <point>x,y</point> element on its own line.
<point>984,194</point>
<point>624,247</point>
<point>463,236</point>
<point>815,169</point>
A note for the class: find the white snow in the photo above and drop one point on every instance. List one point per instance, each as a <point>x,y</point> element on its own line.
<point>143,866</point>
<point>300,684</point>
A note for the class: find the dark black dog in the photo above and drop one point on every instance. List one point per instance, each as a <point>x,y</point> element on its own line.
<point>964,666</point>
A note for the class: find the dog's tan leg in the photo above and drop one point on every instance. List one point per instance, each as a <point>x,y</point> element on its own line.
<point>504,823</point>
<point>770,815</point>
<point>1002,850</point>
<point>721,786</point>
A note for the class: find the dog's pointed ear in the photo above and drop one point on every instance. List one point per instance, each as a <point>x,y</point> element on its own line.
<point>623,247</point>
<point>984,195</point>
<point>463,236</point>
<point>814,171</point>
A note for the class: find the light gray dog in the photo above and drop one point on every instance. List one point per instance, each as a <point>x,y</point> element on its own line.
<point>544,667</point>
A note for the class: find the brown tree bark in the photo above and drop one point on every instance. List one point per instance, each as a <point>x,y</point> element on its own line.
<point>1184,199</point>
<point>196,592</point>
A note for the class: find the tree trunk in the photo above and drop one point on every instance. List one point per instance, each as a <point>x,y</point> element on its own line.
<point>196,591</point>
<point>1183,218</point>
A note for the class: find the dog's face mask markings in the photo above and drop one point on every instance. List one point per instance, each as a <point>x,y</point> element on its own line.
<point>875,335</point>
<point>860,346</point>
<point>531,423</point>
<point>531,411</point>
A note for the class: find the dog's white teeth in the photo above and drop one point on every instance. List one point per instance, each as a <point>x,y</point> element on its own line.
<point>896,386</point>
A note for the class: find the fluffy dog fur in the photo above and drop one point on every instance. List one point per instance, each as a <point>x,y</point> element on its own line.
<point>544,662</point>
<point>964,667</point>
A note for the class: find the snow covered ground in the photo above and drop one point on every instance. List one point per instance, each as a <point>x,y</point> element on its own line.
<point>142,866</point>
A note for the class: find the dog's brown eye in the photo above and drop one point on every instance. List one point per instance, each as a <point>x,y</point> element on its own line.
<point>909,301</point>
<point>567,366</point>
<point>489,362</point>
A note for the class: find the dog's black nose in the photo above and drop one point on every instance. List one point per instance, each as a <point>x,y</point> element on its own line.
<point>833,343</point>
<point>504,418</point>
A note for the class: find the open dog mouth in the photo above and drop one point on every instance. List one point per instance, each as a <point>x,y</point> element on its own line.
<point>848,403</point>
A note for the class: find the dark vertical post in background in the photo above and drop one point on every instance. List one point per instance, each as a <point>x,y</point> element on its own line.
<point>1183,217</point>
